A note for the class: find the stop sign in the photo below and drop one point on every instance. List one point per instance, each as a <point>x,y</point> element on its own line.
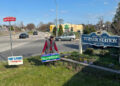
<point>8,19</point>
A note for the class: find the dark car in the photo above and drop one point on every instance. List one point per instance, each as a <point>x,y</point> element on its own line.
<point>35,33</point>
<point>23,35</point>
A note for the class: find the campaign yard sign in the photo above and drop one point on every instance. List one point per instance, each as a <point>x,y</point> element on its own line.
<point>15,60</point>
<point>103,39</point>
<point>50,57</point>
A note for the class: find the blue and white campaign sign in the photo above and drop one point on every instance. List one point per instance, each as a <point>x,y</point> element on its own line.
<point>15,60</point>
<point>103,39</point>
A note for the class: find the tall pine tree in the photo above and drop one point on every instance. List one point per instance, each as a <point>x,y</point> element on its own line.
<point>54,31</point>
<point>116,22</point>
<point>60,30</point>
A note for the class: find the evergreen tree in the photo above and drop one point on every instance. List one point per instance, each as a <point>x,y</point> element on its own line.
<point>54,31</point>
<point>11,28</point>
<point>116,22</point>
<point>60,30</point>
<point>89,29</point>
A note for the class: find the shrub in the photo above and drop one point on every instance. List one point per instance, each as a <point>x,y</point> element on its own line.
<point>77,34</point>
<point>89,51</point>
<point>104,52</point>
<point>75,55</point>
<point>89,29</point>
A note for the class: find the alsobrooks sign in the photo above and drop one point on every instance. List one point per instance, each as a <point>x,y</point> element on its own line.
<point>103,39</point>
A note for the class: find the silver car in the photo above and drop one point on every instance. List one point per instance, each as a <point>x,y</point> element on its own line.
<point>66,37</point>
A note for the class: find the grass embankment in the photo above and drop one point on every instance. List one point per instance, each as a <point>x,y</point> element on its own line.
<point>33,73</point>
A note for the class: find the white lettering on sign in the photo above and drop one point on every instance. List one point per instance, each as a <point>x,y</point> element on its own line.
<point>15,60</point>
<point>105,40</point>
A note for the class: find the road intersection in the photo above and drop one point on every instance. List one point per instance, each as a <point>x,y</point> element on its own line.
<point>33,46</point>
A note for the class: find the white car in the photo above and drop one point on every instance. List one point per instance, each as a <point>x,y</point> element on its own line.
<point>66,37</point>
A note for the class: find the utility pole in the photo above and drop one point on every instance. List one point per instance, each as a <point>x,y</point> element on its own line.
<point>56,18</point>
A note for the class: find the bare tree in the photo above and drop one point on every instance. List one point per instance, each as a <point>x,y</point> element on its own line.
<point>40,24</point>
<point>30,26</point>
<point>44,27</point>
<point>108,26</point>
<point>21,25</point>
<point>100,23</point>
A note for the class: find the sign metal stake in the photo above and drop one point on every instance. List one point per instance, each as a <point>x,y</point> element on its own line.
<point>10,38</point>
<point>119,55</point>
<point>9,19</point>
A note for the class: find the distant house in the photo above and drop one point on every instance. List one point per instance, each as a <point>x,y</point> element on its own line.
<point>69,27</point>
<point>4,28</point>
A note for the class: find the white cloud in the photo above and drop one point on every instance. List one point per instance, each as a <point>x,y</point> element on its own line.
<point>113,13</point>
<point>63,11</point>
<point>52,10</point>
<point>96,16</point>
<point>106,3</point>
<point>46,15</point>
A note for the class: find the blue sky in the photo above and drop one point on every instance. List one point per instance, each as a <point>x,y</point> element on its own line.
<point>72,11</point>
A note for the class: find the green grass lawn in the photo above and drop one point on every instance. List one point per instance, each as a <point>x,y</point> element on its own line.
<point>33,73</point>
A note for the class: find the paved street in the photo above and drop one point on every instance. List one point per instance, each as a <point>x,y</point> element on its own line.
<point>5,45</point>
<point>35,48</point>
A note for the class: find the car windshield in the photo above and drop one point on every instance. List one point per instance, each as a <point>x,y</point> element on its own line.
<point>23,33</point>
<point>68,34</point>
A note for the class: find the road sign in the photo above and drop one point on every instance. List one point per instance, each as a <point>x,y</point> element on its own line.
<point>50,57</point>
<point>9,19</point>
<point>15,60</point>
<point>103,39</point>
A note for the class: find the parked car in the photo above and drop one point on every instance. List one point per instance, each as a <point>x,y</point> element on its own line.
<point>35,33</point>
<point>66,37</point>
<point>23,35</point>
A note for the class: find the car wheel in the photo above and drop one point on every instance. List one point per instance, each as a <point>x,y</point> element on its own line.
<point>59,39</point>
<point>71,39</point>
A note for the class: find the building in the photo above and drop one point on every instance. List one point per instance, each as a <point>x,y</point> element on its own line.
<point>3,28</point>
<point>68,27</point>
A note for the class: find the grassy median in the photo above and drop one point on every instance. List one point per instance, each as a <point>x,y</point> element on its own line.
<point>34,73</point>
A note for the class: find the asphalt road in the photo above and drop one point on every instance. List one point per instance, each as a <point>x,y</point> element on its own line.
<point>35,48</point>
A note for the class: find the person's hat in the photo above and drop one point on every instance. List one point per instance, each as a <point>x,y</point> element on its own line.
<point>51,36</point>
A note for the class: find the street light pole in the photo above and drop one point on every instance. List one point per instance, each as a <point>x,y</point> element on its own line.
<point>56,18</point>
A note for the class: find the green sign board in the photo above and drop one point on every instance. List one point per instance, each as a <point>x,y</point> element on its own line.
<point>50,57</point>
<point>66,26</point>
